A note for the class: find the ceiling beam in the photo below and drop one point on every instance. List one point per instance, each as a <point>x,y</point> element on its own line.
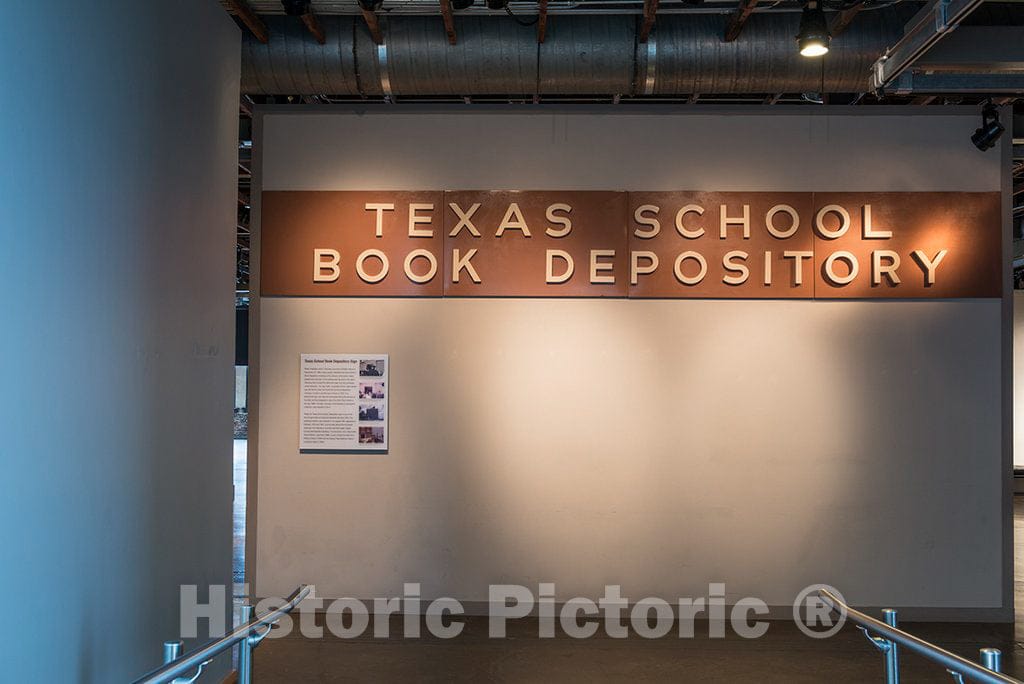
<point>313,24</point>
<point>542,20</point>
<point>252,22</point>
<point>840,20</point>
<point>650,11</point>
<point>912,83</point>
<point>930,25</point>
<point>373,24</point>
<point>449,21</point>
<point>977,49</point>
<point>738,19</point>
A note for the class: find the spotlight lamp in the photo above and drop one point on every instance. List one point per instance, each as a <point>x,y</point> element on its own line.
<point>814,37</point>
<point>497,4</point>
<point>462,4</point>
<point>991,129</point>
<point>370,5</point>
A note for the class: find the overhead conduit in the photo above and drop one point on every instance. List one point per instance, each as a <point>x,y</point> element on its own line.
<point>582,55</point>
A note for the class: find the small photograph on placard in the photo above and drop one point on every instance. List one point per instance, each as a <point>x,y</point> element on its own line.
<point>371,412</point>
<point>371,435</point>
<point>371,390</point>
<point>372,368</point>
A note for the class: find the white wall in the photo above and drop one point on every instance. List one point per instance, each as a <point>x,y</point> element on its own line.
<point>770,445</point>
<point>118,132</point>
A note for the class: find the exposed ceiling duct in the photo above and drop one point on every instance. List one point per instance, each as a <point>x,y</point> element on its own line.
<point>582,55</point>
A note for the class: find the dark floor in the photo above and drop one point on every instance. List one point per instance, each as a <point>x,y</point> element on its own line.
<point>782,655</point>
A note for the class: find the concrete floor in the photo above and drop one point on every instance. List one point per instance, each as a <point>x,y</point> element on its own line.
<point>782,655</point>
<point>239,471</point>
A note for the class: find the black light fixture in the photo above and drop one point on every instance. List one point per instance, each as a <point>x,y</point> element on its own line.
<point>462,4</point>
<point>814,36</point>
<point>370,5</point>
<point>991,129</point>
<point>497,4</point>
<point>295,8</point>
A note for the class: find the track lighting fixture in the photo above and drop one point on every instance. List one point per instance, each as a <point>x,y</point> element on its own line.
<point>991,128</point>
<point>814,37</point>
<point>462,4</point>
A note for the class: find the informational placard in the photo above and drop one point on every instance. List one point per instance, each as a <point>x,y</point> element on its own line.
<point>343,402</point>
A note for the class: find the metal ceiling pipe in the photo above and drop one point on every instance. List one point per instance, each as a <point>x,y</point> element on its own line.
<point>588,55</point>
<point>582,55</point>
<point>692,58</point>
<point>293,63</point>
<point>489,58</point>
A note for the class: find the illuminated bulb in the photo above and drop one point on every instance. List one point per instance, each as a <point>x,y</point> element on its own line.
<point>814,36</point>
<point>813,49</point>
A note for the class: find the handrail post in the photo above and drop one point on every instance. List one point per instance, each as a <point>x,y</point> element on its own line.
<point>245,650</point>
<point>887,636</point>
<point>172,649</point>
<point>892,654</point>
<point>992,658</point>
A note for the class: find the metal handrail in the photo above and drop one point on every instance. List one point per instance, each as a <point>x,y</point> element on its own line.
<point>890,636</point>
<point>246,636</point>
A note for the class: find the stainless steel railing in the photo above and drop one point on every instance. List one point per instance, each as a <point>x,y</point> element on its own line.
<point>888,638</point>
<point>184,669</point>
